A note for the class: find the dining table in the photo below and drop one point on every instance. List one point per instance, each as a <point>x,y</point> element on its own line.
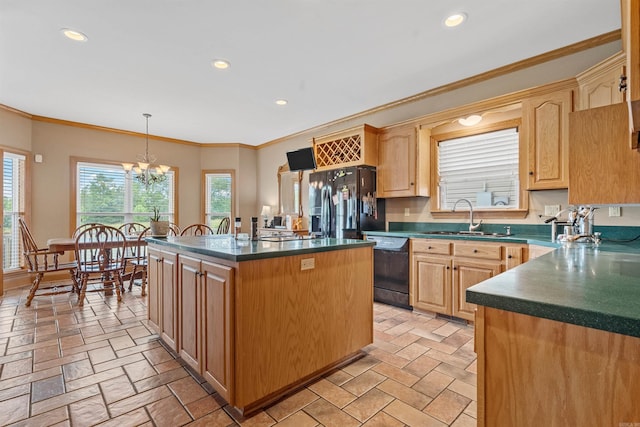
<point>64,244</point>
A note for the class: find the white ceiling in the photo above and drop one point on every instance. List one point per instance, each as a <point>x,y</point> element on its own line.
<point>328,58</point>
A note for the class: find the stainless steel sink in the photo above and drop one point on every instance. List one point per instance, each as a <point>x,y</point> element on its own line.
<point>465,233</point>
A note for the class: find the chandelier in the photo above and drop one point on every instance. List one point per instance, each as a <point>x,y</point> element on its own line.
<point>146,172</point>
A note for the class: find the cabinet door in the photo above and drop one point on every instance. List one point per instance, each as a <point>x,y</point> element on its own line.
<point>466,274</point>
<point>189,311</point>
<point>431,283</point>
<point>603,170</point>
<point>154,288</point>
<point>546,132</point>
<point>217,327</point>
<point>631,47</point>
<point>600,85</point>
<point>168,297</point>
<point>397,162</point>
<point>514,256</point>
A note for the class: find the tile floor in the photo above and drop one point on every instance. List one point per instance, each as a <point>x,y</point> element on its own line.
<point>61,365</point>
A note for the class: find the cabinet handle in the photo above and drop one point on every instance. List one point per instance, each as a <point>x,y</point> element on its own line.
<point>622,84</point>
<point>454,268</point>
<point>448,267</point>
<point>509,256</point>
<point>530,173</point>
<point>429,247</point>
<point>475,251</point>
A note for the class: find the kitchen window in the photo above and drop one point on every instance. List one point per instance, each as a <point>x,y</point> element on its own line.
<point>13,191</point>
<point>482,167</point>
<point>106,194</point>
<point>219,196</point>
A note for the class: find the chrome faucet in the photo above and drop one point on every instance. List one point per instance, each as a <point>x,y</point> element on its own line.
<point>472,226</point>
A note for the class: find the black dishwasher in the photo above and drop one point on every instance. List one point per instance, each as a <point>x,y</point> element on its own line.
<point>391,270</point>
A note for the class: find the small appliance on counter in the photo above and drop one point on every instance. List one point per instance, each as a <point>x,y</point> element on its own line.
<point>343,203</point>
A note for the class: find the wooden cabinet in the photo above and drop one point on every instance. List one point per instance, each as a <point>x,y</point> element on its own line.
<point>403,163</point>
<point>467,273</point>
<point>442,270</point>
<point>631,46</point>
<point>580,376</point>
<point>161,278</point>
<point>351,147</point>
<point>205,326</point>
<point>602,169</point>
<point>546,132</point>
<point>600,85</point>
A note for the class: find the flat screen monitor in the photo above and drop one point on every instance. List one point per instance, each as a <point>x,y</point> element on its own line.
<point>302,159</point>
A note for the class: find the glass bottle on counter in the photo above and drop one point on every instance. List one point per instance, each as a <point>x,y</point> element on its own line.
<point>237,227</point>
<point>254,228</point>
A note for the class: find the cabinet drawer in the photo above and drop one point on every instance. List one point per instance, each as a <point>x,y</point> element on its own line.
<point>431,246</point>
<point>475,250</point>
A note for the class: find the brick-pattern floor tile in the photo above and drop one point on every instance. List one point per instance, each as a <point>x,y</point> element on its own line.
<point>367,405</point>
<point>102,364</point>
<point>329,415</point>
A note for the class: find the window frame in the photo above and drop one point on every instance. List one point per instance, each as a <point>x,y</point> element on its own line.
<point>203,194</point>
<point>26,209</point>
<point>74,189</point>
<point>523,208</point>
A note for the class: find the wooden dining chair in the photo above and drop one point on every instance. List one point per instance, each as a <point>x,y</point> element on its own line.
<point>174,230</point>
<point>132,228</point>
<point>139,264</point>
<point>223,227</point>
<point>100,252</point>
<point>79,228</point>
<point>40,261</point>
<point>197,230</point>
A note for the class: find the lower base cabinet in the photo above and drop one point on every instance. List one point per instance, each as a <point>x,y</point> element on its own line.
<point>442,270</point>
<point>161,278</point>
<point>256,329</point>
<point>205,320</point>
<point>540,372</point>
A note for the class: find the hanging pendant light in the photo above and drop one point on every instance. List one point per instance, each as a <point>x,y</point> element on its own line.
<point>145,169</point>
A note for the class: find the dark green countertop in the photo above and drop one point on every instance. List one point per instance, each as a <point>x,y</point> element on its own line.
<point>226,247</point>
<point>579,284</point>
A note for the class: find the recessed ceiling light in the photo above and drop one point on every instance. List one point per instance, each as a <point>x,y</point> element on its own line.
<point>74,35</point>
<point>221,64</point>
<point>455,19</point>
<point>281,102</point>
<point>473,119</point>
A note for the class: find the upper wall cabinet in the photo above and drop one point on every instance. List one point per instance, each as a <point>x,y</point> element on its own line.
<point>352,147</point>
<point>600,84</point>
<point>546,133</point>
<point>602,169</point>
<point>403,163</point>
<point>631,46</point>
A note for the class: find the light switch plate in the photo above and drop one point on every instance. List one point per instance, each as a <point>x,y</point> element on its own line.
<point>308,264</point>
<point>614,210</point>
<point>551,210</point>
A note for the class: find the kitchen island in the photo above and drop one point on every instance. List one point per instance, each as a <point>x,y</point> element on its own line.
<point>558,340</point>
<point>257,319</point>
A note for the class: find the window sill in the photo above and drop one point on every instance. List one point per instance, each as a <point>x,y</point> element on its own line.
<point>482,214</point>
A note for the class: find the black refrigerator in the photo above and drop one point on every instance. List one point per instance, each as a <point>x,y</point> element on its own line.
<point>343,203</point>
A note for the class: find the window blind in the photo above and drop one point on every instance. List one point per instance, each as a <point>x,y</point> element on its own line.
<point>106,194</point>
<point>482,168</point>
<point>13,183</point>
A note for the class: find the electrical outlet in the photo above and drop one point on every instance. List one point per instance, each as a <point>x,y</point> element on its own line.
<point>308,264</point>
<point>614,210</point>
<point>406,211</point>
<point>551,210</point>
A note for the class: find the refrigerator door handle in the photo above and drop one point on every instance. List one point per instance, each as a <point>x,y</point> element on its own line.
<point>324,212</point>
